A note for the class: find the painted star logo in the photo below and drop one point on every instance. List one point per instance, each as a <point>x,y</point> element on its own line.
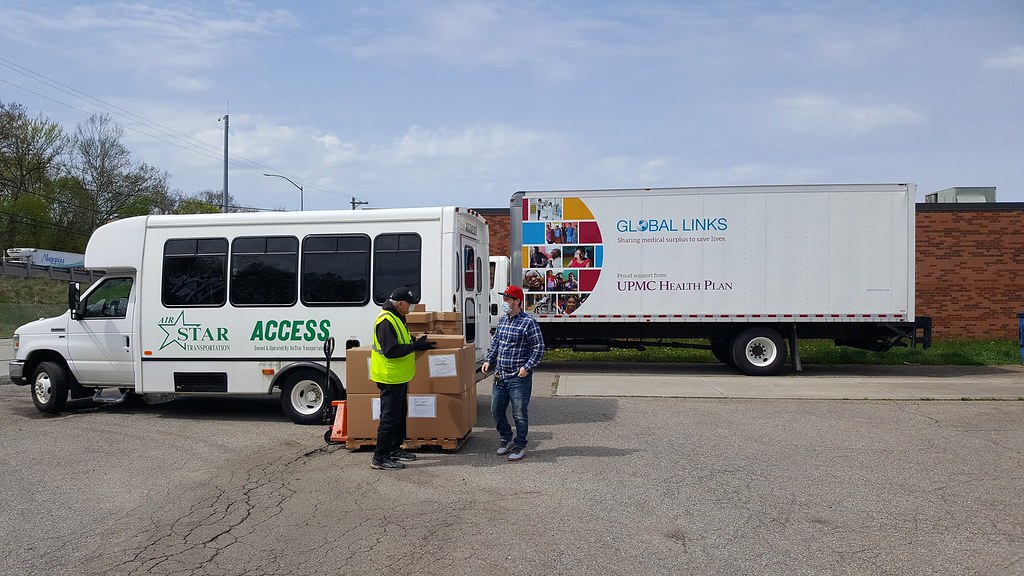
<point>171,331</point>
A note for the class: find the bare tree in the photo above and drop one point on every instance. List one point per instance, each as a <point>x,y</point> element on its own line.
<point>118,187</point>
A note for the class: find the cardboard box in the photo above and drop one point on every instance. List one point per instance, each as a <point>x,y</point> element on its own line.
<point>430,415</point>
<point>419,317</point>
<point>418,308</point>
<point>447,328</point>
<point>445,341</point>
<point>358,410</point>
<point>448,317</point>
<point>448,369</point>
<point>417,328</point>
<point>444,371</point>
<point>357,371</point>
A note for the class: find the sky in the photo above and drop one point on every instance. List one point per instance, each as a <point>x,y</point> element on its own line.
<point>425,103</point>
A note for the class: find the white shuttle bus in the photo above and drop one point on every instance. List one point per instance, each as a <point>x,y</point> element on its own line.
<point>244,303</point>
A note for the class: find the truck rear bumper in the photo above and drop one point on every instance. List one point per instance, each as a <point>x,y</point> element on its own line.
<point>17,371</point>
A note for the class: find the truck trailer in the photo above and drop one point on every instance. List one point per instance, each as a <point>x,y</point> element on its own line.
<point>216,304</point>
<point>43,257</point>
<point>747,269</point>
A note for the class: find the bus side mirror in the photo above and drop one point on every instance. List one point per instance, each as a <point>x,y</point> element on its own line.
<point>74,295</point>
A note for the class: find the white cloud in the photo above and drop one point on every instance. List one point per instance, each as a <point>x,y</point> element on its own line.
<point>1011,59</point>
<point>479,34</point>
<point>471,143</point>
<point>826,115</point>
<point>170,43</point>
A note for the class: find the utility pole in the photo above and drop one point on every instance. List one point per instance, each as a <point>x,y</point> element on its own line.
<point>224,202</point>
<point>357,202</point>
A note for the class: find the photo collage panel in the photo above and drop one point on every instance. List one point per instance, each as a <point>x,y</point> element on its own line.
<point>562,255</point>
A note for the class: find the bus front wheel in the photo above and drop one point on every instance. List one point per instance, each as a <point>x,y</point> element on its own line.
<point>50,385</point>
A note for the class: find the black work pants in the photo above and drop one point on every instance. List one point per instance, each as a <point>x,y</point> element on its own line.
<point>394,409</point>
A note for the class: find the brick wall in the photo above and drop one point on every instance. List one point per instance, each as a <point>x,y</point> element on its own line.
<point>970,267</point>
<point>498,225</point>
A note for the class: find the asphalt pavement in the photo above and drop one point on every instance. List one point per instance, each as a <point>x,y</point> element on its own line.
<point>819,382</point>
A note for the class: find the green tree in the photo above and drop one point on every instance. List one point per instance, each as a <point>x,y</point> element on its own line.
<point>30,150</point>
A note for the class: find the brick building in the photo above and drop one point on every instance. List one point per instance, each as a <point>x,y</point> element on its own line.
<point>970,266</point>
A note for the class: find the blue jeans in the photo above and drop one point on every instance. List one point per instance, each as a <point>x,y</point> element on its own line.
<point>517,391</point>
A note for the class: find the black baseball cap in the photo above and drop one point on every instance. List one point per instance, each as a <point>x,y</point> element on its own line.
<point>404,294</point>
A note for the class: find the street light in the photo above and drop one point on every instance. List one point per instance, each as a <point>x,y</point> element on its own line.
<point>293,184</point>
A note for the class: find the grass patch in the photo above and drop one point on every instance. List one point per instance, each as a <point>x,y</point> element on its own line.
<point>946,353</point>
<point>25,299</point>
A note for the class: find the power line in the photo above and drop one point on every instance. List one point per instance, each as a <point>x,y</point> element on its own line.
<point>190,144</point>
<point>44,224</point>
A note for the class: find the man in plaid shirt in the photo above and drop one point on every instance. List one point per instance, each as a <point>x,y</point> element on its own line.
<point>517,348</point>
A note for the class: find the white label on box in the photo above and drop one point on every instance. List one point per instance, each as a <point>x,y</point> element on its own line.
<point>443,365</point>
<point>423,406</point>
<point>375,408</point>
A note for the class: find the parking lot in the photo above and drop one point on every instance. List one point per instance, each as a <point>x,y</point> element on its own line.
<point>610,485</point>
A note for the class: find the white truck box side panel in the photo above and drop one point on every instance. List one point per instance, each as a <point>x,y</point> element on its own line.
<point>824,253</point>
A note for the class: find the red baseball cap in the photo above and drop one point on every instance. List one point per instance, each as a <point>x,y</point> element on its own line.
<point>514,292</point>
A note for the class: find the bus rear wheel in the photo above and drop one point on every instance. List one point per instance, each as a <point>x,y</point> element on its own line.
<point>303,397</point>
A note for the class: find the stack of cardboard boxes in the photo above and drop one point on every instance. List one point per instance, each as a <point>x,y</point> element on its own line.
<point>442,395</point>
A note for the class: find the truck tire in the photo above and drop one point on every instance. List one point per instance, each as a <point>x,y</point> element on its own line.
<point>303,397</point>
<point>50,387</point>
<point>759,352</point>
<point>721,348</point>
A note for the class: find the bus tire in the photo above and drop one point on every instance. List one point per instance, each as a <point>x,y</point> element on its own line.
<point>759,351</point>
<point>303,397</point>
<point>50,385</point>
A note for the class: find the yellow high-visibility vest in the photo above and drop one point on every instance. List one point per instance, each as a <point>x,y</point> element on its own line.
<point>391,370</point>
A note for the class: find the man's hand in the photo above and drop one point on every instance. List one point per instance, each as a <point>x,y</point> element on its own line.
<point>523,373</point>
<point>485,367</point>
<point>422,343</point>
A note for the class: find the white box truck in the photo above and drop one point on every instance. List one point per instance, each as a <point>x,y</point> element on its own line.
<point>745,268</point>
<point>244,303</point>
<point>43,257</point>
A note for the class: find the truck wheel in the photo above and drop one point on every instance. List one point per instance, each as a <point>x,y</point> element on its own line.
<point>303,397</point>
<point>721,349</point>
<point>759,352</point>
<point>50,387</point>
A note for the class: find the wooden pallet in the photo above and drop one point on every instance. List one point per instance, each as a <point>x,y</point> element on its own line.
<point>444,444</point>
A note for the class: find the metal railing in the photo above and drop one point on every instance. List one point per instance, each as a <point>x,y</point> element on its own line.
<point>33,271</point>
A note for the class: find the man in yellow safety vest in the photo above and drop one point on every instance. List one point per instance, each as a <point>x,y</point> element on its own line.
<point>392,366</point>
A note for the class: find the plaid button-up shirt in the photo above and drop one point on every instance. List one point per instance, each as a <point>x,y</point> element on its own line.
<point>517,343</point>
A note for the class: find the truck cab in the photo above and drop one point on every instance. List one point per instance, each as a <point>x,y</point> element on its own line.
<point>90,346</point>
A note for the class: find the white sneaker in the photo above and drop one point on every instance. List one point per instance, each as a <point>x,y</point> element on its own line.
<point>504,448</point>
<point>516,454</point>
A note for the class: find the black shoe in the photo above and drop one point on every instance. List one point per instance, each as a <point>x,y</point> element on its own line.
<point>400,454</point>
<point>386,465</point>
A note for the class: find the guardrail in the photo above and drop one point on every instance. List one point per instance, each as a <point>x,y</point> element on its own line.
<point>33,271</point>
